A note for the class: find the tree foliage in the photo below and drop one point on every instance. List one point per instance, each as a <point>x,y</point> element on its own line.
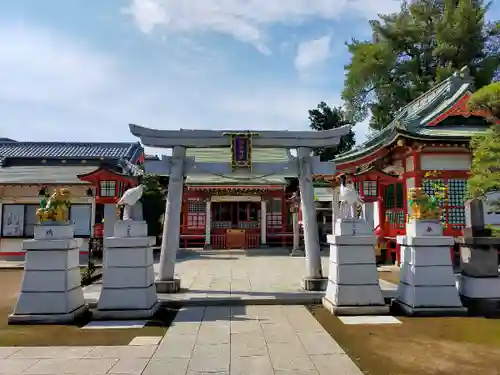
<point>487,98</point>
<point>485,169</point>
<point>415,48</point>
<point>324,117</point>
<point>153,201</point>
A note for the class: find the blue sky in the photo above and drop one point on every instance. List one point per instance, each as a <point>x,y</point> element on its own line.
<point>83,69</point>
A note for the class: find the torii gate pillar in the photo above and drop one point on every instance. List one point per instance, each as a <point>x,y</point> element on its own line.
<point>314,279</point>
<point>166,282</point>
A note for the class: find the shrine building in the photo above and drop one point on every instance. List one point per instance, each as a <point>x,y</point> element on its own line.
<point>241,210</point>
<point>426,145</point>
<point>95,173</point>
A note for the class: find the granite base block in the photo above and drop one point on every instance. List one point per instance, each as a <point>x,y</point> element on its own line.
<point>314,284</point>
<point>48,318</point>
<point>354,310</point>
<point>126,314</point>
<point>482,306</point>
<point>430,311</point>
<point>479,287</point>
<point>127,298</point>
<point>44,302</point>
<point>168,286</point>
<point>354,295</point>
<point>428,296</point>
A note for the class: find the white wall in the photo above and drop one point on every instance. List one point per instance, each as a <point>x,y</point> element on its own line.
<point>445,162</point>
<point>28,194</point>
<point>410,165</point>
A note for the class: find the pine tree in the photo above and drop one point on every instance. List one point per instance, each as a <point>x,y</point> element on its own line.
<point>415,48</point>
<point>324,117</point>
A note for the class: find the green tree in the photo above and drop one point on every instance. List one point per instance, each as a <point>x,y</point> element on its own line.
<point>153,201</point>
<point>415,48</point>
<point>324,117</point>
<point>487,98</point>
<point>485,169</point>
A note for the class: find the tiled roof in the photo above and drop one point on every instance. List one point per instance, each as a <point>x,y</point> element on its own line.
<point>413,118</point>
<point>43,174</point>
<point>66,150</point>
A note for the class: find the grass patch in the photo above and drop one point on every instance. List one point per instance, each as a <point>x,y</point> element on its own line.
<point>419,346</point>
<point>65,335</point>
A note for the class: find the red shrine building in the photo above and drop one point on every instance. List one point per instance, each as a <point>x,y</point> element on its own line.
<point>242,210</point>
<point>427,145</point>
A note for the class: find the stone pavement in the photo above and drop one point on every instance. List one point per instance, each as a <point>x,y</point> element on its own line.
<point>211,277</point>
<point>242,340</point>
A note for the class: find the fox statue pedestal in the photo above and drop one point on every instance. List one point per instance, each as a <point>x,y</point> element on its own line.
<point>427,281</point>
<point>128,290</point>
<point>479,281</point>
<point>51,290</point>
<point>353,285</point>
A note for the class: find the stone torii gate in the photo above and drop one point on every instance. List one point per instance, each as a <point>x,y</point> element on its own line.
<point>178,165</point>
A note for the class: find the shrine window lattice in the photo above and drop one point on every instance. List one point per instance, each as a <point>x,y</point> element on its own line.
<point>454,209</point>
<point>370,188</point>
<point>274,215</point>
<point>196,214</point>
<point>394,205</point>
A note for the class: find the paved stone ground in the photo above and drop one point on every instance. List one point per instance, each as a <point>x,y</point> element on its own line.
<point>243,340</point>
<point>211,277</point>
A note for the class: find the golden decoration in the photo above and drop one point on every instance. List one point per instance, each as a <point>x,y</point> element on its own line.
<point>425,207</point>
<point>55,208</point>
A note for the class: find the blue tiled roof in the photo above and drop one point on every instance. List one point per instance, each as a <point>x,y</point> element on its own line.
<point>68,150</point>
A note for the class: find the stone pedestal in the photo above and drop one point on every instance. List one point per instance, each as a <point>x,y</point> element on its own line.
<point>51,290</point>
<point>479,282</point>
<point>353,284</point>
<point>128,290</point>
<point>427,282</point>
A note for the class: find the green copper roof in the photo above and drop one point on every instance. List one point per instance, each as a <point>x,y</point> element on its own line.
<point>412,119</point>
<point>239,177</point>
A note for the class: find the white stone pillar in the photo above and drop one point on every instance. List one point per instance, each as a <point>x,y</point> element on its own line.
<point>208,223</point>
<point>128,290</point>
<point>368,214</point>
<point>263,222</point>
<point>109,219</point>
<point>335,207</point>
<point>171,227</point>
<point>50,289</point>
<point>92,217</point>
<point>353,285</point>
<point>427,282</point>
<point>296,231</point>
<point>314,277</point>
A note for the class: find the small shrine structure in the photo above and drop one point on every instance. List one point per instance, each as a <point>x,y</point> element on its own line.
<point>426,145</point>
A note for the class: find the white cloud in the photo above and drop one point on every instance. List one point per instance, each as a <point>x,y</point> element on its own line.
<point>244,20</point>
<point>312,52</point>
<point>41,67</point>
